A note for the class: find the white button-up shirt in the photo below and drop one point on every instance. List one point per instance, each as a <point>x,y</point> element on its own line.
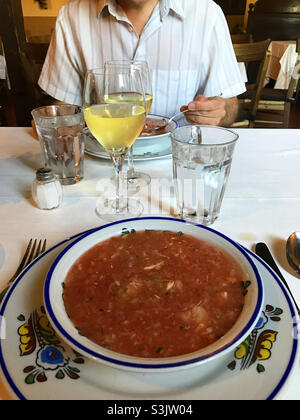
<point>186,42</point>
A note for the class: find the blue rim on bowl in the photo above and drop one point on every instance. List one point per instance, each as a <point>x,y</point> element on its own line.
<point>54,305</point>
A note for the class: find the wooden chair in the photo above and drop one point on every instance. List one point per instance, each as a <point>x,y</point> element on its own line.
<point>24,61</point>
<point>253,54</point>
<point>281,100</point>
<point>241,38</point>
<point>3,121</point>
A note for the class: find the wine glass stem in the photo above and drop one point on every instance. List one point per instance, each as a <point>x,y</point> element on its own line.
<point>130,171</point>
<point>118,164</point>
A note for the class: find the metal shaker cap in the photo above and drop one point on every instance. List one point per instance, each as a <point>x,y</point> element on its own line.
<point>45,174</point>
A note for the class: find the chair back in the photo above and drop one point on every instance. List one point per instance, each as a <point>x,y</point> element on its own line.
<point>254,52</point>
<point>24,61</point>
<point>241,38</point>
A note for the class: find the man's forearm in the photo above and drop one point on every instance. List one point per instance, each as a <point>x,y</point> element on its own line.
<point>232,108</point>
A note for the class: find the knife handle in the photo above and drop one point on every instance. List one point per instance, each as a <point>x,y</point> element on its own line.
<point>264,253</point>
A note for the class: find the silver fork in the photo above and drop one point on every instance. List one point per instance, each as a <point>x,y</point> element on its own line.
<point>33,250</point>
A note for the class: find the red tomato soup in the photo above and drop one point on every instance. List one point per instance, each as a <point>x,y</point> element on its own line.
<point>154,294</point>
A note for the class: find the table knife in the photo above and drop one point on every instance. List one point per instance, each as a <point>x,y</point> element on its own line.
<point>264,253</point>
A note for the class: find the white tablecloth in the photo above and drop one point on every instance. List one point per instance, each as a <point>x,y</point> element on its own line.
<point>262,200</point>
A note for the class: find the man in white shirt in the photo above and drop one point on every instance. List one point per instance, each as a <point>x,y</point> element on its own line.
<point>186,43</point>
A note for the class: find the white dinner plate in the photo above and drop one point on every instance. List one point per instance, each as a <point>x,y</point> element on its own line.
<point>36,365</point>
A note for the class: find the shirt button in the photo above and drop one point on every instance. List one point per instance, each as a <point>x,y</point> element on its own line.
<point>130,29</point>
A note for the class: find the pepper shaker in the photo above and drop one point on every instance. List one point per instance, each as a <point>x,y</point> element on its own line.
<point>46,190</point>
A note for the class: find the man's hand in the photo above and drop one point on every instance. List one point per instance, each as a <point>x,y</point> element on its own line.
<point>212,111</point>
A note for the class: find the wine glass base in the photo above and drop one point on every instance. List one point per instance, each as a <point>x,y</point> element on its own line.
<point>106,209</point>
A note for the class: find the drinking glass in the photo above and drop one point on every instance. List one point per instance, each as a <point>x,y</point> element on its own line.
<point>202,157</point>
<point>136,180</point>
<point>116,123</point>
<point>59,129</point>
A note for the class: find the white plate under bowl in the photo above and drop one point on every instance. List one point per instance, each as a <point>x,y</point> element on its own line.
<point>144,148</point>
<point>46,368</point>
<point>54,304</point>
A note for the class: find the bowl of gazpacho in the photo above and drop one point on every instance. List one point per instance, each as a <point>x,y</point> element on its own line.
<point>153,294</point>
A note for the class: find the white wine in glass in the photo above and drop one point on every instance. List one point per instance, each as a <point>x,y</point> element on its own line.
<point>116,124</point>
<point>136,180</point>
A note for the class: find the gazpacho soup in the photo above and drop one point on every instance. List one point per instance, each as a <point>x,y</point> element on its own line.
<point>154,293</point>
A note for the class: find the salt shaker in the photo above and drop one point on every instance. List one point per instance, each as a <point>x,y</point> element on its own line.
<point>46,189</point>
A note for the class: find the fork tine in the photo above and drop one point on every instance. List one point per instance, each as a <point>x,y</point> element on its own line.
<point>38,251</point>
<point>23,262</point>
<point>27,259</point>
<point>44,246</point>
<point>31,256</point>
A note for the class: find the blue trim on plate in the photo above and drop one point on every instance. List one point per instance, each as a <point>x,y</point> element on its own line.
<point>295,326</point>
<point>141,365</point>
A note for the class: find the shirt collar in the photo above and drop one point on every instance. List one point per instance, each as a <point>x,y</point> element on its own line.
<point>174,5</point>
<point>165,7</point>
<point>111,5</point>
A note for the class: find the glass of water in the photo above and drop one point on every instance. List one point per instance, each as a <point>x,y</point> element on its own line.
<point>59,129</point>
<point>202,157</point>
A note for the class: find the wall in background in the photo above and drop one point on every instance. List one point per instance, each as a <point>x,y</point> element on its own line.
<point>39,23</point>
<point>232,7</point>
<point>247,10</point>
<point>31,8</point>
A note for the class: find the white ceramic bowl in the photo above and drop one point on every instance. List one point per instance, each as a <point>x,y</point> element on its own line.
<point>155,143</point>
<point>54,304</point>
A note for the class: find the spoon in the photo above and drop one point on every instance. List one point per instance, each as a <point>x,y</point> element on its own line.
<point>161,127</point>
<point>293,251</point>
<point>153,130</point>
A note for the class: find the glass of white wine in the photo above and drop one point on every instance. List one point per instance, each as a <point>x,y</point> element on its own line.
<point>116,124</point>
<point>136,180</point>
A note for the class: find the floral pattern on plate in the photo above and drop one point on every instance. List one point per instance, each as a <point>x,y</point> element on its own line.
<point>258,345</point>
<point>48,355</point>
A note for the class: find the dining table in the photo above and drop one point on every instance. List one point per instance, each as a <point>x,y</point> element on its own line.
<point>261,204</point>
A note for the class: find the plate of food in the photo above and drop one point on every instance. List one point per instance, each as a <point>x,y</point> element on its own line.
<point>36,364</point>
<point>150,145</point>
